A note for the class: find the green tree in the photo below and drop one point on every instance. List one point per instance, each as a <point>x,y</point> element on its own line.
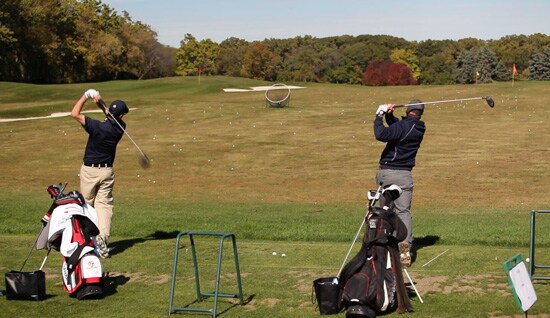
<point>230,57</point>
<point>539,66</point>
<point>193,54</point>
<point>436,70</point>
<point>502,73</point>
<point>407,57</point>
<point>486,63</point>
<point>187,56</point>
<point>208,54</point>
<point>466,68</point>
<point>518,49</point>
<point>11,23</point>
<point>46,41</point>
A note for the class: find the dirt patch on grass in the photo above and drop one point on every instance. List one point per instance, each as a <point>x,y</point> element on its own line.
<point>139,277</point>
<point>477,284</point>
<point>305,279</point>
<point>493,315</point>
<point>270,302</point>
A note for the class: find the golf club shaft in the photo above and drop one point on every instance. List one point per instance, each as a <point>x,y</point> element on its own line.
<point>119,125</point>
<point>440,101</point>
<point>45,258</point>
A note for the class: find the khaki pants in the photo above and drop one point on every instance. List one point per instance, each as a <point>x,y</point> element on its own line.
<point>96,185</point>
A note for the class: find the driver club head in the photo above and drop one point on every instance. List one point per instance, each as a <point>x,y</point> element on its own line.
<point>490,101</point>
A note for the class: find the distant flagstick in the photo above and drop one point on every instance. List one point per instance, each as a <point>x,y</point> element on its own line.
<point>514,71</point>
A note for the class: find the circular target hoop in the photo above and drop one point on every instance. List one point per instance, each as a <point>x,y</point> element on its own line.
<point>278,95</point>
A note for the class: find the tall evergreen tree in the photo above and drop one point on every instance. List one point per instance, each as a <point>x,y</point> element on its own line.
<point>466,68</point>
<point>502,73</point>
<point>486,63</point>
<point>539,65</point>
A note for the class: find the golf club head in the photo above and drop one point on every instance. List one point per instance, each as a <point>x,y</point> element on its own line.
<point>144,161</point>
<point>490,101</point>
<point>373,195</point>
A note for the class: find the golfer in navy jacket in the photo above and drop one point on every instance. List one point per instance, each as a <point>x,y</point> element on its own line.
<point>403,138</point>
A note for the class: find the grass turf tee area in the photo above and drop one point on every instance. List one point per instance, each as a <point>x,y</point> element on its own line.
<point>288,180</point>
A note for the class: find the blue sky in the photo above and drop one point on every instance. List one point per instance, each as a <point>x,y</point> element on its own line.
<point>412,20</point>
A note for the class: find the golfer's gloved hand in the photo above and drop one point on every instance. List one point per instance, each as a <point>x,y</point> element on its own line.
<point>382,110</point>
<point>91,93</point>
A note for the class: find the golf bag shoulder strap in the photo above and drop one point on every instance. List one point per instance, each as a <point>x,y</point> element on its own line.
<point>75,257</point>
<point>404,303</point>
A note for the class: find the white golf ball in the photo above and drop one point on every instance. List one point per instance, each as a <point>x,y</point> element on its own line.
<point>527,259</point>
<point>274,253</point>
<point>283,255</point>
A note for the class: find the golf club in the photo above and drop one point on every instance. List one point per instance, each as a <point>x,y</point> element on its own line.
<point>144,162</point>
<point>488,99</point>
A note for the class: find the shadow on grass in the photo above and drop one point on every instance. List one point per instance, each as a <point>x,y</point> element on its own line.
<point>110,284</point>
<point>221,301</point>
<point>421,242</point>
<point>120,246</point>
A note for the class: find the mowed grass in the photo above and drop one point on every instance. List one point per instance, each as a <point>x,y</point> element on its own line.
<point>291,180</point>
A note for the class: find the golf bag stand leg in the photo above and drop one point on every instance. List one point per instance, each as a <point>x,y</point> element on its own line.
<point>412,284</point>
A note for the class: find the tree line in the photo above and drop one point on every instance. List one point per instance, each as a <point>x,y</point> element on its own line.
<point>67,41</point>
<point>370,59</point>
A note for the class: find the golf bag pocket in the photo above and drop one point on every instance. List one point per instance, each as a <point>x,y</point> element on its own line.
<point>86,272</point>
<point>26,285</point>
<point>327,294</point>
<point>372,286</point>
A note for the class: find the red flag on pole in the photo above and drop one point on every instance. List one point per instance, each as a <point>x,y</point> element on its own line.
<point>514,71</point>
<point>200,69</point>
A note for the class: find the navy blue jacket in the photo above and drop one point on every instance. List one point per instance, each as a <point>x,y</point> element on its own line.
<point>402,137</point>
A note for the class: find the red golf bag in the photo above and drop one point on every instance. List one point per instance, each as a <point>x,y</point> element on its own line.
<point>71,229</point>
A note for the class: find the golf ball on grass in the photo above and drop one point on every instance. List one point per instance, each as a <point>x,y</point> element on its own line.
<point>274,253</point>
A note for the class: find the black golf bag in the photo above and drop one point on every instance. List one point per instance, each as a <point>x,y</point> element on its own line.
<point>372,282</point>
<point>71,226</point>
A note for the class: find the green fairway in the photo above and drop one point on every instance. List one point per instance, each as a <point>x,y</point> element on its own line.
<point>288,180</point>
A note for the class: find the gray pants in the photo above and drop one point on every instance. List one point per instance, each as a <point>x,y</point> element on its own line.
<point>404,180</point>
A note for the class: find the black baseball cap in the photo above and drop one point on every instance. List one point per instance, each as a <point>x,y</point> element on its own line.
<point>419,108</point>
<point>118,108</point>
